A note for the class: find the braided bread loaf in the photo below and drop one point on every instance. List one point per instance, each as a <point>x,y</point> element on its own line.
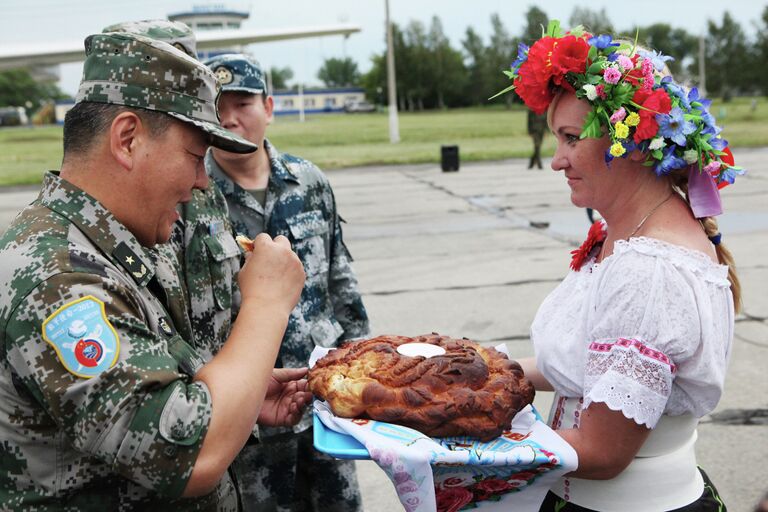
<point>470,390</point>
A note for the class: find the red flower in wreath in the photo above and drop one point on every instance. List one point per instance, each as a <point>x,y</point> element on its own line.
<point>652,103</point>
<point>569,55</point>
<point>532,82</point>
<point>595,236</point>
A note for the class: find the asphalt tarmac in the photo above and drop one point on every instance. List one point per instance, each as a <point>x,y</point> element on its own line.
<point>473,253</point>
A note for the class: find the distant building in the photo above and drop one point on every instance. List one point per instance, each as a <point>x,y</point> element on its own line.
<point>212,17</point>
<point>317,101</point>
<point>219,17</point>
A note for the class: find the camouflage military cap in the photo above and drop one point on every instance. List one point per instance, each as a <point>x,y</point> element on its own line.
<point>136,71</point>
<point>175,33</point>
<point>238,72</point>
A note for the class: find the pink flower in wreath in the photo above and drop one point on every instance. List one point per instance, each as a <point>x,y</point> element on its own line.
<point>611,75</point>
<point>625,62</point>
<point>619,115</point>
<point>600,90</point>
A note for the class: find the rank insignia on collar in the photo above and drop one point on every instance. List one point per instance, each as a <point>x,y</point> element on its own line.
<point>83,337</point>
<point>130,260</point>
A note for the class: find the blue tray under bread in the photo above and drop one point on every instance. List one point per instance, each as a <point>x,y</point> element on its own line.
<point>343,446</point>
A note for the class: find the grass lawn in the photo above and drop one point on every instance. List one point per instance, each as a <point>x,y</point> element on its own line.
<point>345,140</point>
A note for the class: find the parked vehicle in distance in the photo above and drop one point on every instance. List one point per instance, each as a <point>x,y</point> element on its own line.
<point>13,116</point>
<point>359,106</point>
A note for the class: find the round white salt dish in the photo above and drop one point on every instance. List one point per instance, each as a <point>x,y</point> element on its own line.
<point>420,349</point>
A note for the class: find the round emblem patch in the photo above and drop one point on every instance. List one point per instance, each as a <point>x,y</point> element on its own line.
<point>223,75</point>
<point>89,352</point>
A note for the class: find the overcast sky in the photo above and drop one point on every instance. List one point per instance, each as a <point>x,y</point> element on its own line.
<point>35,21</point>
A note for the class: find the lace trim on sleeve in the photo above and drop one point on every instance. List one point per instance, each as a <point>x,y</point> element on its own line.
<point>629,376</point>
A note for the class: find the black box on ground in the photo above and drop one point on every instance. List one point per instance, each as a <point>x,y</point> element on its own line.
<point>449,158</point>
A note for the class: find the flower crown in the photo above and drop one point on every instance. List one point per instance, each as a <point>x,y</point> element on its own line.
<point>631,99</point>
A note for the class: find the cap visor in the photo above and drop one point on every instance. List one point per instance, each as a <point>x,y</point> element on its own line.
<point>218,136</point>
<point>238,88</point>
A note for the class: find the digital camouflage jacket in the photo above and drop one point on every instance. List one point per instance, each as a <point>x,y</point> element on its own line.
<point>98,408</point>
<point>300,205</point>
<point>207,257</point>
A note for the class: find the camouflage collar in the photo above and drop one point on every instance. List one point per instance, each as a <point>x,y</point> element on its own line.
<point>99,225</point>
<point>279,173</point>
<point>278,167</point>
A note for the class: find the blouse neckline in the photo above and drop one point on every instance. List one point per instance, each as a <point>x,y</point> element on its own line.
<point>678,255</point>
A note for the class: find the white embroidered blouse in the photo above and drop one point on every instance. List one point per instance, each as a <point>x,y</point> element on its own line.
<point>647,332</point>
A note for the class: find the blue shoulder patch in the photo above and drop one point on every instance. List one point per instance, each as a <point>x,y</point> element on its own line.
<point>83,338</point>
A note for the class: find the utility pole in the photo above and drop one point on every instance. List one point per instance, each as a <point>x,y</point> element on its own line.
<point>394,129</point>
<point>702,70</point>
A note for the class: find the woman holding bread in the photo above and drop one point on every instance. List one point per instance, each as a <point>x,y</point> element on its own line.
<point>636,339</point>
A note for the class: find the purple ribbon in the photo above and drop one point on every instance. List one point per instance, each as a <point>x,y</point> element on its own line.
<point>703,194</point>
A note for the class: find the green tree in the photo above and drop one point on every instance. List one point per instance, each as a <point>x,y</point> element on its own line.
<point>760,76</point>
<point>413,66</point>
<point>536,22</point>
<point>502,51</point>
<point>375,80</point>
<point>19,89</point>
<point>280,77</point>
<point>446,82</point>
<point>594,21</point>
<point>339,72</point>
<point>727,58</point>
<point>477,65</point>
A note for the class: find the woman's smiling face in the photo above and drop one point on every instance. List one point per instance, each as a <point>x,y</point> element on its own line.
<point>592,183</point>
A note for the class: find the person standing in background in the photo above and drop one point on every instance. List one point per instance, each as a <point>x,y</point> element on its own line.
<point>280,194</point>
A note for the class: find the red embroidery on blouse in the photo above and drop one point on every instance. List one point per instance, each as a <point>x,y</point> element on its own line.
<point>595,236</point>
<point>637,345</point>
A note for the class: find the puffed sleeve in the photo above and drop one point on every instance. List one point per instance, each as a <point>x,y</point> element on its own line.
<point>137,413</point>
<point>646,354</point>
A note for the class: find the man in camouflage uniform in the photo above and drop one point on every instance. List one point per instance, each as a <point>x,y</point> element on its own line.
<point>202,249</point>
<point>280,194</point>
<point>105,406</point>
<point>537,127</point>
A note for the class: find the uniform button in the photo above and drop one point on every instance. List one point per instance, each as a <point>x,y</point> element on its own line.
<point>170,452</point>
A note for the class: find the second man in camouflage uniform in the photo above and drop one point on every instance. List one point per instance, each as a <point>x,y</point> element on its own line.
<point>279,194</point>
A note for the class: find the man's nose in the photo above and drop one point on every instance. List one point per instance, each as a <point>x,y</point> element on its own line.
<point>227,119</point>
<point>201,178</point>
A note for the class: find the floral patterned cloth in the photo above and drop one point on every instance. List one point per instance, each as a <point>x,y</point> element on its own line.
<point>460,473</point>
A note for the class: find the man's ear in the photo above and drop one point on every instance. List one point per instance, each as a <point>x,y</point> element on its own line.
<point>124,134</point>
<point>269,108</point>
